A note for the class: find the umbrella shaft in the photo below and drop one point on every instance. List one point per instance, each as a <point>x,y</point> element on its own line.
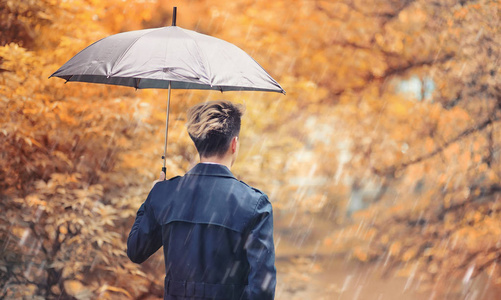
<point>166,130</point>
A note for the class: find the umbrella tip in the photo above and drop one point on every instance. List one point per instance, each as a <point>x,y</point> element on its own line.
<point>174,13</point>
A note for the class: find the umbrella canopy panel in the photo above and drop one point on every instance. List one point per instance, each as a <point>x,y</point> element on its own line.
<point>151,58</point>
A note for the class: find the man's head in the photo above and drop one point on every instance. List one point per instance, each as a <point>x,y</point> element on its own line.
<point>214,126</point>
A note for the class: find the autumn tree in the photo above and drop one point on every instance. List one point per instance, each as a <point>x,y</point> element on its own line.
<point>430,153</point>
<point>67,195</point>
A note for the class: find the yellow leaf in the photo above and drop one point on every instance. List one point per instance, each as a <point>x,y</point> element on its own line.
<point>429,145</point>
<point>116,289</point>
<point>395,248</point>
<point>360,254</point>
<point>63,229</point>
<point>409,254</point>
<point>73,287</point>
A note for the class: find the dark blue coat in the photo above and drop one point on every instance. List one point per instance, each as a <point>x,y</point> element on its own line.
<point>217,234</point>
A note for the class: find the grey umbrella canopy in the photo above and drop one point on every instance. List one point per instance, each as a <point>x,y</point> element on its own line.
<point>155,58</point>
<point>168,58</point>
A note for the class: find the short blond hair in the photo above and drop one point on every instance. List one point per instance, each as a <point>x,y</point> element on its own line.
<point>211,125</point>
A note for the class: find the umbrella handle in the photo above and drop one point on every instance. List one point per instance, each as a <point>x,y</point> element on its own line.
<point>164,169</point>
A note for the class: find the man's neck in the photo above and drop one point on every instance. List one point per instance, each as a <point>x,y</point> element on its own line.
<point>225,161</point>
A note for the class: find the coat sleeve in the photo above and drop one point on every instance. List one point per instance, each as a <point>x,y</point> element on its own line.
<point>145,237</point>
<point>261,254</point>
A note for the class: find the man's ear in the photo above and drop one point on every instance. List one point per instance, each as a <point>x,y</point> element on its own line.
<point>234,142</point>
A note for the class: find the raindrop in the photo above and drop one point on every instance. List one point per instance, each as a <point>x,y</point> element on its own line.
<point>404,147</point>
<point>411,276</point>
<point>346,283</point>
<point>25,235</point>
<point>357,293</point>
<point>467,275</point>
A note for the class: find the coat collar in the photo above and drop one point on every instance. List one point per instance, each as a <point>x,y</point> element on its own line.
<point>210,170</point>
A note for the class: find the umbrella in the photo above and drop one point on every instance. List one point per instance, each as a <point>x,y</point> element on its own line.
<point>168,58</point>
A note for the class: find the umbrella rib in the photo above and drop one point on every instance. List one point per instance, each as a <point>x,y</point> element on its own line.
<point>206,63</point>
<point>68,79</point>
<point>269,76</point>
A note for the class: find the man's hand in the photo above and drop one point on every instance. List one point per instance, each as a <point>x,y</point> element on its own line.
<point>161,178</point>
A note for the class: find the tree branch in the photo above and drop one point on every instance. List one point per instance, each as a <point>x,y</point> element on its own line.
<point>388,16</point>
<point>485,192</point>
<point>439,150</point>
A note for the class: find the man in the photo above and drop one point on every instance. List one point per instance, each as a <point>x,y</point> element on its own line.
<point>217,232</point>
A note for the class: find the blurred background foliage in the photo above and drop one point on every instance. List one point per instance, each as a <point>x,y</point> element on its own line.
<point>386,147</point>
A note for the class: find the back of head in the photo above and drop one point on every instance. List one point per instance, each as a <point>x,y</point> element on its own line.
<point>212,125</point>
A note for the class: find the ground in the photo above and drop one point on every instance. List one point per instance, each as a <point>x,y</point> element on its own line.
<point>305,270</point>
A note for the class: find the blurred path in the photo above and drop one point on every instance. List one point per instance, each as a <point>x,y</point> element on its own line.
<point>340,279</point>
<point>337,278</point>
<point>306,270</point>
